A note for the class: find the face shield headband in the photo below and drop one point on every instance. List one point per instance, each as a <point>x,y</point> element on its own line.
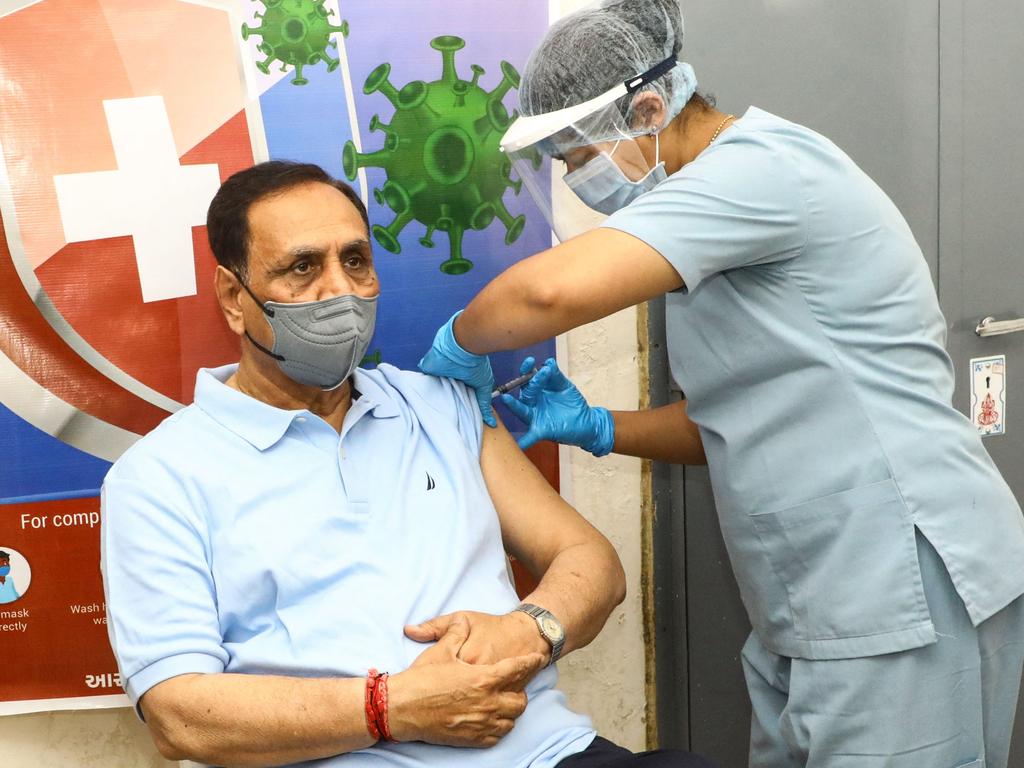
<point>529,131</point>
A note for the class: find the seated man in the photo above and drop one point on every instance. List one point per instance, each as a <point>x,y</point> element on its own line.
<point>304,524</point>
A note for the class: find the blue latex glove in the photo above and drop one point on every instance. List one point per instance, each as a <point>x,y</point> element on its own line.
<point>447,358</point>
<point>554,409</point>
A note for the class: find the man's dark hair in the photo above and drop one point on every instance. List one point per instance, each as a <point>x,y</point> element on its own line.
<point>4,555</point>
<point>227,220</point>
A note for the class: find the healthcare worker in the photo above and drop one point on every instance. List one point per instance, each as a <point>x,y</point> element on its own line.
<point>878,551</point>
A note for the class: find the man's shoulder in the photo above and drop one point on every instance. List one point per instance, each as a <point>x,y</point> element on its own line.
<point>410,389</point>
<point>430,400</point>
<point>172,446</point>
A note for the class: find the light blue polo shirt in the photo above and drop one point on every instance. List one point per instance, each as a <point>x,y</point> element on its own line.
<point>810,346</point>
<point>239,537</point>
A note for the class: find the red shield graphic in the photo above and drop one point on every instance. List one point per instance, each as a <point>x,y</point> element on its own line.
<point>109,156</point>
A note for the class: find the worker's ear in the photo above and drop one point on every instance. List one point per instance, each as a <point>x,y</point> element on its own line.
<point>229,295</point>
<point>649,112</point>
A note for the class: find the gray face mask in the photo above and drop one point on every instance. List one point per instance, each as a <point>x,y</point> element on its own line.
<point>319,343</point>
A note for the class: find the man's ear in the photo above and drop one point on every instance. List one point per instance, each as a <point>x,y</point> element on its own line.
<point>229,295</point>
<point>648,112</point>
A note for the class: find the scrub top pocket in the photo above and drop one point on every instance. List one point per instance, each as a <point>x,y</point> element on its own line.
<point>849,564</point>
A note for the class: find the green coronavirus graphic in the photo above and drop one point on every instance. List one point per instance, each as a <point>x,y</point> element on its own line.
<point>441,155</point>
<point>296,33</point>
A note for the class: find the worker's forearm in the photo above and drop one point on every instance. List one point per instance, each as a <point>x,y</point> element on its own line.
<point>256,720</point>
<point>581,587</point>
<point>663,434</point>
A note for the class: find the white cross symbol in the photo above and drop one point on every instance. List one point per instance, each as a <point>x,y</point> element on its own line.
<point>150,197</point>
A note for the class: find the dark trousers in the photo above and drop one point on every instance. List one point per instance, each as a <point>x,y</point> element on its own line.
<point>603,754</point>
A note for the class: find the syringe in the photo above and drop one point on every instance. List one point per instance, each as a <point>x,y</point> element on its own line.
<point>518,381</point>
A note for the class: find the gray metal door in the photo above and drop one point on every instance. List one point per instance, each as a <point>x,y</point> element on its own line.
<point>926,100</point>
<point>981,207</point>
<point>982,202</point>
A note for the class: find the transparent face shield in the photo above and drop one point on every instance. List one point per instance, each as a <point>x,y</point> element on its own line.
<point>584,162</point>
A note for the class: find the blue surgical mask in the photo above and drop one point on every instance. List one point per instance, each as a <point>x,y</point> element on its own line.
<point>603,186</point>
<point>4,570</point>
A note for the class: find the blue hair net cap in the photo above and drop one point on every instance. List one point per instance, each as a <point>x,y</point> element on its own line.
<point>588,52</point>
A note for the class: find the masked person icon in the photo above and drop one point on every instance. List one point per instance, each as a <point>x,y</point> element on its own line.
<point>876,546</point>
<point>8,591</point>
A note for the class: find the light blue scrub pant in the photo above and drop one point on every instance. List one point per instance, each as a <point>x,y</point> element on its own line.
<point>947,705</point>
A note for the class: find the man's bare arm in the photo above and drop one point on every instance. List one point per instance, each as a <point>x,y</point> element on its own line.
<point>264,720</point>
<point>229,719</point>
<point>581,578</point>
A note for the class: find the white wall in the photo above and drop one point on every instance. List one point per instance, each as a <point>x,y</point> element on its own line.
<point>607,679</point>
<point>85,739</point>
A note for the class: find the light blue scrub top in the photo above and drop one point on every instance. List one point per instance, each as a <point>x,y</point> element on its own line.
<point>239,537</point>
<point>810,346</point>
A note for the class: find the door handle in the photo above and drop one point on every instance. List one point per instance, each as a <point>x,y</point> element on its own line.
<point>992,327</point>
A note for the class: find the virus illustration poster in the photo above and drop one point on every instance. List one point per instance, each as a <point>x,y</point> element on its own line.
<point>441,156</point>
<point>109,156</point>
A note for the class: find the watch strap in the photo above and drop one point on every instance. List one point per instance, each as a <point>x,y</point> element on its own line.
<point>538,614</point>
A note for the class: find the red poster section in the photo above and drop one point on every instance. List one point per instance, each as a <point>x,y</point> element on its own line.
<point>54,636</point>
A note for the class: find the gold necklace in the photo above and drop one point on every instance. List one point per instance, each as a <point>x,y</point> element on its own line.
<point>718,130</point>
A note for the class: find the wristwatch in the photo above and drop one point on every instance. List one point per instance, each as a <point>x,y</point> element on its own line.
<point>550,628</point>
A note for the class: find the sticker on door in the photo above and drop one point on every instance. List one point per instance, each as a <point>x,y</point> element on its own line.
<point>988,395</point>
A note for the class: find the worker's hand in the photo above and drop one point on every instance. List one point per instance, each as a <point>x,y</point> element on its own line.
<point>447,358</point>
<point>491,638</point>
<point>554,409</point>
<point>443,700</point>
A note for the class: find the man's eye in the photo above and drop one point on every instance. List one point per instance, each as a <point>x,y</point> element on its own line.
<point>302,267</point>
<point>355,262</point>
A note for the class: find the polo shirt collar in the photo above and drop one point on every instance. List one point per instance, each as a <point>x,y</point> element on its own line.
<point>263,425</point>
<point>382,404</point>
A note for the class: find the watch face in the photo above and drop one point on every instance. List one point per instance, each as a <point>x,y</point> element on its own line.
<point>552,629</point>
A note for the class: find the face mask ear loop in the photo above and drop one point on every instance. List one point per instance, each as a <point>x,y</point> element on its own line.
<point>267,311</point>
<point>615,147</point>
<point>264,350</point>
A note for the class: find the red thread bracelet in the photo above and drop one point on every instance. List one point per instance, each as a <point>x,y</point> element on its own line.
<point>380,707</point>
<point>371,714</point>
